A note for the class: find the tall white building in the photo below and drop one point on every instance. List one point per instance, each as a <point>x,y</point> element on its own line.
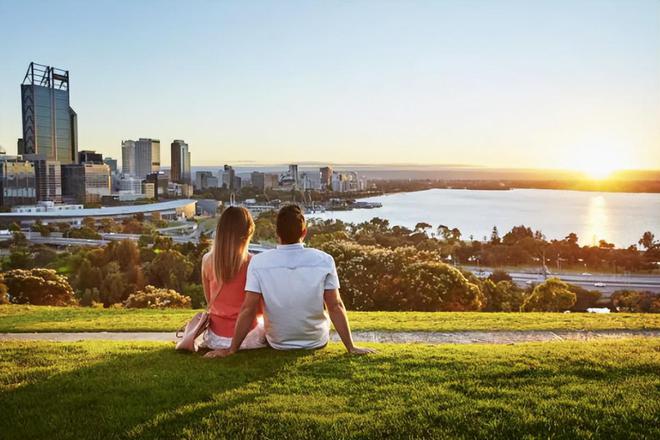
<point>147,157</point>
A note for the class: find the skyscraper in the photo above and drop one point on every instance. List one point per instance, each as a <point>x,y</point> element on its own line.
<point>128,158</point>
<point>180,172</point>
<point>147,157</point>
<point>49,123</point>
<point>326,177</point>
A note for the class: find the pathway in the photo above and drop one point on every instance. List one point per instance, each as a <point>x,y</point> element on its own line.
<point>466,337</point>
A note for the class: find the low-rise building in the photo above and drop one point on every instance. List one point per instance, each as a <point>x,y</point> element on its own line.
<point>17,181</point>
<point>86,182</point>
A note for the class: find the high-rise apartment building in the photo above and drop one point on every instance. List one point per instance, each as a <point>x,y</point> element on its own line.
<point>147,157</point>
<point>180,157</point>
<point>17,181</point>
<point>49,123</point>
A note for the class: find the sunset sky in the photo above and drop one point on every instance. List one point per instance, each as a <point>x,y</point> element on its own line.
<point>547,84</point>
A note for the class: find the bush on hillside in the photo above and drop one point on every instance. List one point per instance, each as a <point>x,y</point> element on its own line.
<point>636,302</point>
<point>553,295</point>
<point>154,298</point>
<point>404,279</point>
<point>503,296</point>
<point>584,298</point>
<point>38,287</point>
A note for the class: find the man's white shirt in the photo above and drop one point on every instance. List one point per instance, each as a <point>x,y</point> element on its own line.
<point>292,280</point>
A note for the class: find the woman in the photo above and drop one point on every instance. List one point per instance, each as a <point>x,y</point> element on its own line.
<point>224,271</point>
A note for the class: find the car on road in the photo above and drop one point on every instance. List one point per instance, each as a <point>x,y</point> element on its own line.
<point>599,284</point>
<point>586,274</point>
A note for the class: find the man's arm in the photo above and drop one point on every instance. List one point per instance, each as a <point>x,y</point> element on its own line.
<point>337,313</point>
<point>246,317</point>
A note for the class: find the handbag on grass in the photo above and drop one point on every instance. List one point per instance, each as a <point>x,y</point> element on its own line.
<point>194,328</point>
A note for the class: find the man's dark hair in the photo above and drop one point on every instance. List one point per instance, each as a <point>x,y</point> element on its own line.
<point>290,224</point>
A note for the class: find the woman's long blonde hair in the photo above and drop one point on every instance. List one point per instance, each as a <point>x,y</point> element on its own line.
<point>232,236</point>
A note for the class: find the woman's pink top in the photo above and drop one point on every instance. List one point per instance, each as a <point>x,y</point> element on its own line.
<point>227,304</point>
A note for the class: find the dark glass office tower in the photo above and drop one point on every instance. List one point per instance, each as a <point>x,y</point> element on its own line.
<point>49,123</point>
<point>180,172</point>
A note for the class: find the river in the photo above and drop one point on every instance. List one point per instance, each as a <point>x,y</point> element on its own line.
<point>619,218</point>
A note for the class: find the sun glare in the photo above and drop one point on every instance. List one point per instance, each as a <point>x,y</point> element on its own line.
<point>599,160</point>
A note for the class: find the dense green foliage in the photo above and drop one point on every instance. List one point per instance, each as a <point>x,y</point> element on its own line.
<point>553,295</point>
<point>636,302</point>
<point>381,267</point>
<point>376,278</point>
<point>147,390</point>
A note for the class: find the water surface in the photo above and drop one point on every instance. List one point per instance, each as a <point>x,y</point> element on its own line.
<point>619,218</point>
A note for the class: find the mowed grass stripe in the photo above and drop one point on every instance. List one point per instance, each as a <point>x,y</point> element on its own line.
<point>15,318</point>
<point>604,389</point>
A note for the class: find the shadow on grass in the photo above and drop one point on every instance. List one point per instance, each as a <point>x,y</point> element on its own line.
<point>553,390</point>
<point>130,392</point>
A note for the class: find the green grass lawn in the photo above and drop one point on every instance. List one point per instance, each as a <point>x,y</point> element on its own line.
<point>106,390</point>
<point>14,318</point>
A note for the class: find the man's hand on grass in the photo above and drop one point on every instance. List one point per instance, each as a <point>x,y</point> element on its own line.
<point>222,353</point>
<point>360,351</point>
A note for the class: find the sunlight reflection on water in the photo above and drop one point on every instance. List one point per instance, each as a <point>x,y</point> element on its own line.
<point>597,219</point>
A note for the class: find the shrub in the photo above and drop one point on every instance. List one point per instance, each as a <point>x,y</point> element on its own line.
<point>584,298</point>
<point>154,298</point>
<point>504,296</point>
<point>636,302</point>
<point>406,279</point>
<point>499,275</point>
<point>435,286</point>
<point>196,294</point>
<point>553,295</point>
<point>38,287</point>
<point>4,299</point>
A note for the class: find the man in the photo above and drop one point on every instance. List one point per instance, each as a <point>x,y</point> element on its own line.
<point>294,283</point>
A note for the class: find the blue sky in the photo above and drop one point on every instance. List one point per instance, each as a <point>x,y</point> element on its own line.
<point>570,84</point>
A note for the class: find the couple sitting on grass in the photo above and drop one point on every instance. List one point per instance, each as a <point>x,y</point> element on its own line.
<point>275,298</point>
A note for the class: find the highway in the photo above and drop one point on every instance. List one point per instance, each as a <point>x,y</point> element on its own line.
<point>608,284</point>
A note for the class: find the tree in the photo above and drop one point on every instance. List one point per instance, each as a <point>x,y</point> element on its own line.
<point>499,275</point>
<point>4,299</point>
<point>636,302</point>
<point>495,236</point>
<point>584,298</point>
<point>517,234</point>
<point>38,287</point>
<point>648,241</point>
<point>169,269</point>
<point>422,227</point>
<point>19,258</point>
<point>504,296</point>
<point>553,295</point>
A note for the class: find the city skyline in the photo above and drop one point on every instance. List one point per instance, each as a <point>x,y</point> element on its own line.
<point>506,89</point>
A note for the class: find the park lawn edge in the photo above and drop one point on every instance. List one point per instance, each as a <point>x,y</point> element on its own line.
<point>48,319</point>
